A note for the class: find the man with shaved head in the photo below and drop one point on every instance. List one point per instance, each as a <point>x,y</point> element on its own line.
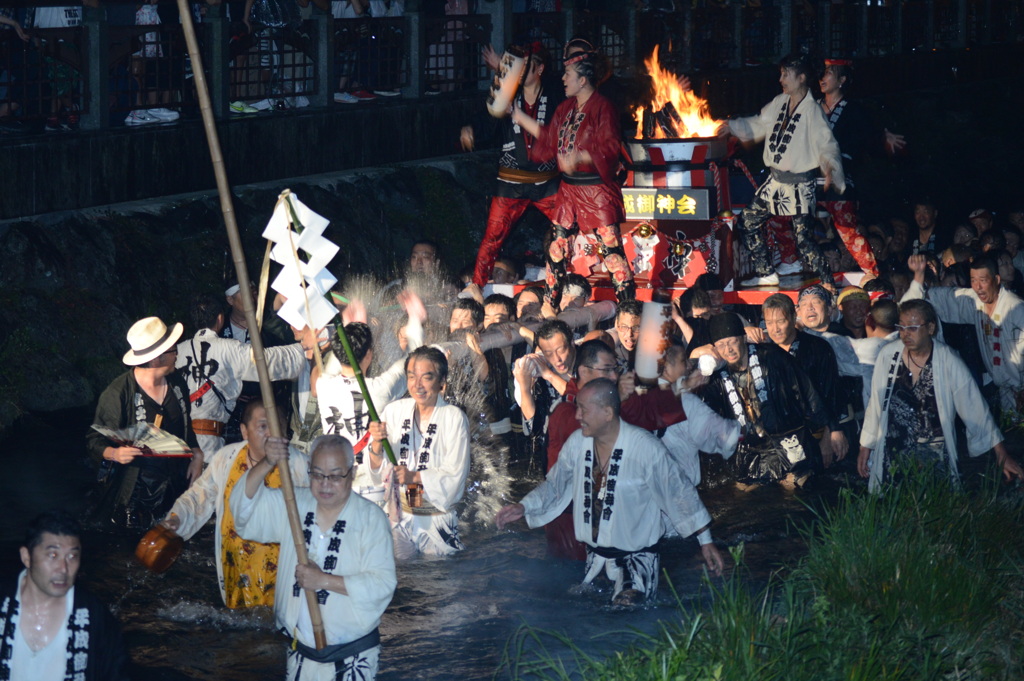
<point>350,567</point>
<point>620,479</point>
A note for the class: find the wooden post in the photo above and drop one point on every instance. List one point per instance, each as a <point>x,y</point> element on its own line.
<point>237,254</point>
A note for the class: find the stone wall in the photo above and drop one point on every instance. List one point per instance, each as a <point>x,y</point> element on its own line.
<point>73,283</point>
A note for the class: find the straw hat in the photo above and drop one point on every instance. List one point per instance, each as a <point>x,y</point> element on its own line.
<point>149,339</point>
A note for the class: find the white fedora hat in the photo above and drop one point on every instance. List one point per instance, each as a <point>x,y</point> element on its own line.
<point>149,339</point>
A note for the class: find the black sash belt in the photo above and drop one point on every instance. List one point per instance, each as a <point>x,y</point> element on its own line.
<point>786,177</point>
<point>582,180</point>
<point>612,553</point>
<point>341,651</point>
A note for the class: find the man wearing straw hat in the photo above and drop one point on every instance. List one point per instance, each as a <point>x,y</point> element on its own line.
<point>137,490</point>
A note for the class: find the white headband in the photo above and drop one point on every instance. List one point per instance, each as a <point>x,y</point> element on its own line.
<point>232,290</point>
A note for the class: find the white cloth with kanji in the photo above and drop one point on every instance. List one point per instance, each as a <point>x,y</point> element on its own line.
<point>648,483</point>
<point>1000,336</point>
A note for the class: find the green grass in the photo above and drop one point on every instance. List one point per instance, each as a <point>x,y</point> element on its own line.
<point>921,583</point>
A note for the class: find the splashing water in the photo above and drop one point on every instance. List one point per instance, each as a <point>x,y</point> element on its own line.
<point>489,485</point>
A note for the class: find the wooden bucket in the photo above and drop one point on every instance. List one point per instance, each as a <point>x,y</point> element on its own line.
<point>159,548</point>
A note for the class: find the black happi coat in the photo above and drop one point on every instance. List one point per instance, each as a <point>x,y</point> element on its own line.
<point>792,407</point>
<point>816,359</point>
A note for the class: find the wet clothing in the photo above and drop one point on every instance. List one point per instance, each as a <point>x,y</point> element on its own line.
<point>214,368</point>
<point>591,199</point>
<point>915,433</point>
<point>639,484</point>
<point>344,412</point>
<point>817,361</point>
<point>93,648</point>
<point>138,494</point>
<point>654,410</point>
<point>439,451</point>
<point>702,431</point>
<point>357,546</point>
<point>207,497</point>
<point>797,148</point>
<point>954,393</point>
<point>535,431</point>
<point>522,181</point>
<point>1000,336</point>
<point>778,409</point>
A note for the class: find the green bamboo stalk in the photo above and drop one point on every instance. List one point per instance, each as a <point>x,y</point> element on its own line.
<point>343,337</point>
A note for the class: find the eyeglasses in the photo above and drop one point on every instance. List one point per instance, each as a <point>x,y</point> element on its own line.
<point>603,370</point>
<point>912,328</point>
<point>332,479</point>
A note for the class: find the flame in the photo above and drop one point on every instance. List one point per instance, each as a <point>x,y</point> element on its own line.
<point>694,117</point>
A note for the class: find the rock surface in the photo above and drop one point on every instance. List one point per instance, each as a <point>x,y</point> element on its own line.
<point>72,283</point>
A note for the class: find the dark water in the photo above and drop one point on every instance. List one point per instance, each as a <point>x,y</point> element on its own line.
<point>450,618</point>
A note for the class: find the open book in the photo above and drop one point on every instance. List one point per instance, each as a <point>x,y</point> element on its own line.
<point>147,438</point>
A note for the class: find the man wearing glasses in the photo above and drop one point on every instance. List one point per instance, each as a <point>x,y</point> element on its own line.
<point>351,564</point>
<point>626,332</point>
<point>998,318</point>
<point>919,388</point>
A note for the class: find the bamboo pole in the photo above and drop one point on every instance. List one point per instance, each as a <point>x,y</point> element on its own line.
<point>367,400</point>
<point>238,255</point>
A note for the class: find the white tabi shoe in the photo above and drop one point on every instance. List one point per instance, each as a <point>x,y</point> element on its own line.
<point>792,268</point>
<point>767,280</point>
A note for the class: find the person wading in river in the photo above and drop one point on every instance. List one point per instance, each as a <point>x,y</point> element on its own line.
<point>246,570</point>
<point>620,479</point>
<point>919,388</point>
<point>430,439</point>
<point>351,564</point>
<point>136,490</point>
<point>52,629</point>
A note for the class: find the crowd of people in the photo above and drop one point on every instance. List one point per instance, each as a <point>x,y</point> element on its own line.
<point>540,383</point>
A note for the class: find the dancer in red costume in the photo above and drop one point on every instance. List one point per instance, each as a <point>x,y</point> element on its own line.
<point>584,132</point>
<point>522,181</point>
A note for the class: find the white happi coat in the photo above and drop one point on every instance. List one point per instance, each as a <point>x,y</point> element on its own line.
<point>339,398</point>
<point>856,356</point>
<point>444,479</point>
<point>365,559</point>
<point>206,496</point>
<point>703,430</point>
<point>647,484</point>
<point>956,394</point>
<point>812,145</point>
<point>1003,354</point>
<point>214,368</point>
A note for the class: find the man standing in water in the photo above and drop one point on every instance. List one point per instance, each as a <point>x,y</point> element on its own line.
<point>761,386</point>
<point>246,570</point>
<point>52,629</point>
<point>214,369</point>
<point>136,489</point>
<point>430,438</point>
<point>351,565</point>
<point>620,480</point>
